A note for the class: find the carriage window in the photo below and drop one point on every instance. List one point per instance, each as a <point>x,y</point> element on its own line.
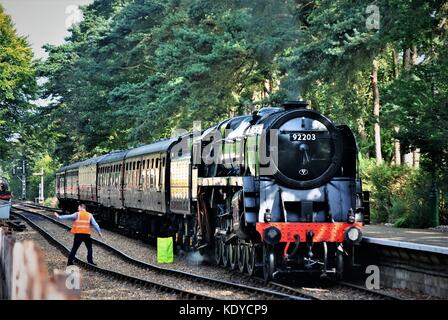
<point>163,162</point>
<point>138,165</point>
<point>152,163</point>
<point>157,163</point>
<point>133,165</point>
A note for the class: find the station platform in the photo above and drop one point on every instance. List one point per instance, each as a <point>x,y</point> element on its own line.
<point>414,239</point>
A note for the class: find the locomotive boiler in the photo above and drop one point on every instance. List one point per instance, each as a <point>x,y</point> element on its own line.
<point>274,192</point>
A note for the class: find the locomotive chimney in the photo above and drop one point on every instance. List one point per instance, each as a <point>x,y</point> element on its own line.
<point>289,105</point>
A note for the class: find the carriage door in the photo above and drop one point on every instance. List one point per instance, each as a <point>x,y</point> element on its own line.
<point>159,183</point>
<point>139,184</point>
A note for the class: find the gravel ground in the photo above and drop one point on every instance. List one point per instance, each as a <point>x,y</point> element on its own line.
<point>109,261</point>
<point>345,293</point>
<point>94,286</point>
<point>443,228</point>
<point>195,263</point>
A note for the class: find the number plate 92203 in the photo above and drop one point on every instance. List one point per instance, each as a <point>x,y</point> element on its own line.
<point>302,136</point>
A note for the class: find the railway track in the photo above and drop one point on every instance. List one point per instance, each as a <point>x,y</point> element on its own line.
<point>272,285</point>
<point>347,287</point>
<point>184,294</point>
<point>273,292</point>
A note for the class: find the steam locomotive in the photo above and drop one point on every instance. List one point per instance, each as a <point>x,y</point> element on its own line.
<point>274,192</point>
<point>5,194</point>
<point>5,198</point>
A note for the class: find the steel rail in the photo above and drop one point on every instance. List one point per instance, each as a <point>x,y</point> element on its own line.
<point>117,275</point>
<point>272,284</point>
<point>282,292</point>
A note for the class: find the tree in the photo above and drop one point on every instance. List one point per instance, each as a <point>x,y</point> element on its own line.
<point>134,70</point>
<point>17,81</point>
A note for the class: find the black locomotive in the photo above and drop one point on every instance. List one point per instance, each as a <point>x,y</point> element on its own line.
<point>276,191</point>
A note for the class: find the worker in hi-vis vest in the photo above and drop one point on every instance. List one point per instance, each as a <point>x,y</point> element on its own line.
<point>83,220</point>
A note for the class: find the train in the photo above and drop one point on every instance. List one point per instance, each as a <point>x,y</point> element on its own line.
<point>5,194</point>
<point>5,199</point>
<point>271,193</point>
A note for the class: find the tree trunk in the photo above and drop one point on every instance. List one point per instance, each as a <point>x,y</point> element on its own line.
<point>416,152</point>
<point>407,58</point>
<point>395,63</point>
<point>411,159</point>
<point>361,128</point>
<point>414,55</point>
<point>416,158</point>
<point>376,111</point>
<point>397,147</point>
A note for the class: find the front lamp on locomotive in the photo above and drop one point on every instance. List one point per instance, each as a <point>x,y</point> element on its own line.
<point>286,195</point>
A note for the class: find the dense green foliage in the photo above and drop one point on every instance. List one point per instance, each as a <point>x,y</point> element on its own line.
<point>134,70</point>
<point>17,89</point>
<point>17,81</point>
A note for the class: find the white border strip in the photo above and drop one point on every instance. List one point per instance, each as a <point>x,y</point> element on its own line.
<point>407,245</point>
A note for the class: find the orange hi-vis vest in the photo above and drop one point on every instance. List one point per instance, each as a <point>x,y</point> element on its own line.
<point>82,223</point>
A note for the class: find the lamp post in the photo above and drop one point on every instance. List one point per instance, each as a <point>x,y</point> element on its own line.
<point>41,185</point>
<point>20,173</point>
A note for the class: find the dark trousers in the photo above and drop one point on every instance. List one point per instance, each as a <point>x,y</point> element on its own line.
<point>80,238</point>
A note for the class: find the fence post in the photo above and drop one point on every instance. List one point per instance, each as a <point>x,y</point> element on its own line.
<point>24,274</point>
